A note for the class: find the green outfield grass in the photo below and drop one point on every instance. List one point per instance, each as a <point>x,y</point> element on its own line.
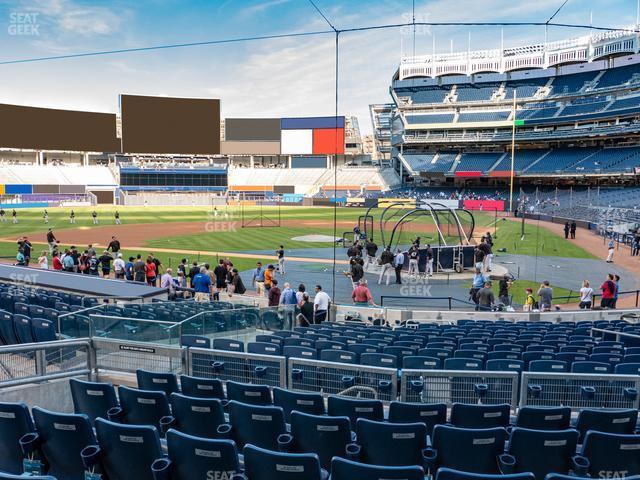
<point>224,232</point>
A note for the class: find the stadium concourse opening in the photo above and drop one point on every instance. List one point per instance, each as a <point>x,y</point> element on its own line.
<point>307,268</point>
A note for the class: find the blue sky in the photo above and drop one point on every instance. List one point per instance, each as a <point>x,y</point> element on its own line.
<point>283,77</point>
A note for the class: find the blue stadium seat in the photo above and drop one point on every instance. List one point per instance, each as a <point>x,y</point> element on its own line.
<point>309,353</point>
<point>197,341</point>
<point>157,381</point>
<point>590,367</point>
<point>418,362</point>
<point>123,451</point>
<point>140,407</point>
<point>504,356</point>
<point>462,364</point>
<point>201,387</point>
<point>627,368</point>
<point>249,393</point>
<point>339,356</point>
<point>469,450</point>
<point>93,399</point>
<point>329,345</point>
<point>611,358</point>
<point>228,344</point>
<point>548,366</point>
<point>504,365</point>
<point>270,339</point>
<point>60,438</point>
<point>190,457</point>
<point>450,474</point>
<point>261,464</point>
<point>15,421</point>
<point>379,360</point>
<point>326,436</point>
<point>22,327</point>
<point>7,333</point>
<point>429,414</point>
<point>342,469</point>
<point>480,416</point>
<point>264,348</point>
<point>288,400</point>
<point>543,451</point>
<point>544,418</point>
<point>441,353</point>
<point>43,330</point>
<point>610,454</point>
<point>355,408</point>
<point>408,440</point>
<point>255,424</point>
<point>299,342</point>
<point>200,417</point>
<point>607,421</point>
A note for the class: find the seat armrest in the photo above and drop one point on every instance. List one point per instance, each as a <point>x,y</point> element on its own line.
<point>429,459</point>
<point>90,456</point>
<point>161,469</point>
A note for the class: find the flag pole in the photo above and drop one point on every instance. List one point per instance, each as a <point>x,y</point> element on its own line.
<point>513,154</point>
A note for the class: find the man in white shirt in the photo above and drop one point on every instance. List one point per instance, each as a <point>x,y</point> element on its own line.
<point>321,304</point>
<point>118,267</point>
<point>398,264</point>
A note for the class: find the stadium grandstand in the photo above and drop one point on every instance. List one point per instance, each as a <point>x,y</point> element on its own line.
<point>575,106</point>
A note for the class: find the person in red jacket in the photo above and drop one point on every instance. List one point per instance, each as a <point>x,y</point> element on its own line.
<point>57,264</point>
<point>608,292</point>
<point>150,271</point>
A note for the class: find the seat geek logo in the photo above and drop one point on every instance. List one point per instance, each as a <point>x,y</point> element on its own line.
<point>23,24</point>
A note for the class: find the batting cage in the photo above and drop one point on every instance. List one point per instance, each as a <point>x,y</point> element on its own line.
<point>260,213</point>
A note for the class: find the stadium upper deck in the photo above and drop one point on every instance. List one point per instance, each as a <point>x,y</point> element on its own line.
<point>575,104</point>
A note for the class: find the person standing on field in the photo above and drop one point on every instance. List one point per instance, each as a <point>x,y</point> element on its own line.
<point>2,216</point>
<point>610,251</point>
<point>118,267</point>
<point>371,249</point>
<point>280,254</point>
<point>14,216</point>
<point>51,240</point>
<point>45,216</point>
<point>117,217</point>
<point>572,229</point>
<point>72,217</point>
<point>94,216</point>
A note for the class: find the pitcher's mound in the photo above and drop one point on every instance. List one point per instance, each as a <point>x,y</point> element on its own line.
<point>316,238</point>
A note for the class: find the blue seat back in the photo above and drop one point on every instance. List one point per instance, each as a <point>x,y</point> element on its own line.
<point>43,330</point>
<point>610,452</point>
<point>419,362</point>
<point>355,408</point>
<point>201,387</point>
<point>544,418</point>
<point>157,381</point>
<point>450,474</point>
<point>261,464</point>
<point>196,457</point>
<point>505,365</point>
<point>228,344</point>
<point>22,327</point>
<point>430,414</point>
<point>480,416</point>
<point>481,448</point>
<point>7,332</point>
<point>628,368</point>
<point>607,421</point>
<point>61,439</point>
<point>308,353</point>
<point>92,399</point>
<point>327,436</point>
<point>197,341</point>
<point>15,421</point>
<point>548,366</point>
<point>288,400</point>
<point>342,469</point>
<point>249,393</point>
<point>143,407</point>
<point>256,424</point>
<point>462,364</point>
<point>379,360</point>
<point>196,416</point>
<point>375,438</point>
<point>542,451</point>
<point>590,367</point>
<point>127,451</point>
<point>264,348</point>
<point>339,356</point>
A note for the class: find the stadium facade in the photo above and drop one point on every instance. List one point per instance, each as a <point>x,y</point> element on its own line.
<point>571,108</point>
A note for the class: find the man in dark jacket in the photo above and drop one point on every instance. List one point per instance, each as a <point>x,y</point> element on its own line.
<point>114,245</point>
<point>372,250</point>
<point>386,260</point>
<point>274,294</point>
